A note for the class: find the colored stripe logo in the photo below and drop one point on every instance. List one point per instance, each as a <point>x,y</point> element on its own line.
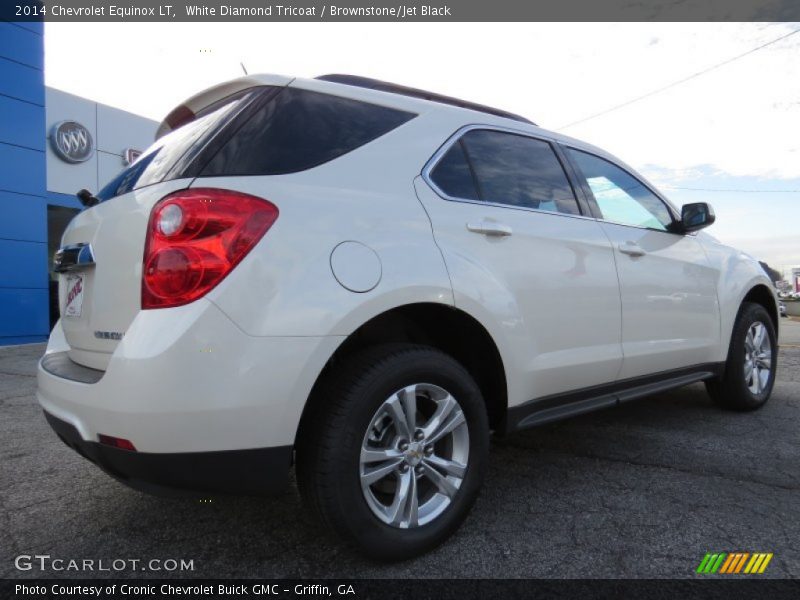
<point>734,563</point>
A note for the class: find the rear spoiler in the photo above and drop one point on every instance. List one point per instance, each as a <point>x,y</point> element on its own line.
<point>187,111</point>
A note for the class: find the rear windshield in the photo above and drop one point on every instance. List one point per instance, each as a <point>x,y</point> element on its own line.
<point>265,131</point>
<point>158,162</point>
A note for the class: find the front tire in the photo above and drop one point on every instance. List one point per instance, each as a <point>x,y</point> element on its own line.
<point>752,361</point>
<point>393,456</point>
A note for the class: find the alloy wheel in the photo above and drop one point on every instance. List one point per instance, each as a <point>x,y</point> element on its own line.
<point>414,456</point>
<point>757,358</point>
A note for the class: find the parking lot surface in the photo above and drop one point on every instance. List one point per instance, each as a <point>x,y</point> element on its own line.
<point>644,490</point>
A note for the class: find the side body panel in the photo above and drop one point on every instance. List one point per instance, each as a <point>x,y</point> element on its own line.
<point>670,312</point>
<point>738,273</point>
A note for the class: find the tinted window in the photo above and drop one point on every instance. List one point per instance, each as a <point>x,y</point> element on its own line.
<point>509,169</point>
<point>297,130</point>
<point>453,174</point>
<point>619,196</point>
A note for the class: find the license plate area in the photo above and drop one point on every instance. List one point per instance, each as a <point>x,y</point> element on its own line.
<point>73,304</point>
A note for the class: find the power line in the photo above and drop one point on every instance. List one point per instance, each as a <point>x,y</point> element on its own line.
<point>693,189</point>
<point>678,82</point>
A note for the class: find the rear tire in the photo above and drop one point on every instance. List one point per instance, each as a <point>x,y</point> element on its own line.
<point>377,413</point>
<point>752,361</point>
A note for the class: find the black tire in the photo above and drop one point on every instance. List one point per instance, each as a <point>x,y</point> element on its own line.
<point>731,391</point>
<point>332,434</point>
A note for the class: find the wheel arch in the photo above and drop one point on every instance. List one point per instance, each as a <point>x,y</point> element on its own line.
<point>757,293</point>
<point>441,326</point>
<point>761,294</point>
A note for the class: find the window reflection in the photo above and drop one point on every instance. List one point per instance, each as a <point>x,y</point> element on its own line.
<point>505,168</point>
<point>619,196</point>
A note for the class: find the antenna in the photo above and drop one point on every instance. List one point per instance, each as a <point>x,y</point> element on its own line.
<point>243,68</point>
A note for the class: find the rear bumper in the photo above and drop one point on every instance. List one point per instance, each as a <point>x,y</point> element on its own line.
<point>186,380</point>
<point>207,407</point>
<point>255,471</point>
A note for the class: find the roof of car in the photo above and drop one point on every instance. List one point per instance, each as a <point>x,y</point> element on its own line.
<point>402,90</point>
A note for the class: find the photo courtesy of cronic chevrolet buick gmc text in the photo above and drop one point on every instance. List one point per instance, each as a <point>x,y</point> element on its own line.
<point>364,280</point>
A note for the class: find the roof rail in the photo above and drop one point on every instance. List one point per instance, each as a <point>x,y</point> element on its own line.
<point>393,88</point>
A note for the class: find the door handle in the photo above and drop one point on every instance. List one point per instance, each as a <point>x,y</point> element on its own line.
<point>490,228</point>
<point>631,249</point>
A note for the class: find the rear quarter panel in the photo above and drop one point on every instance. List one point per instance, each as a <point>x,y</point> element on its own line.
<point>286,286</point>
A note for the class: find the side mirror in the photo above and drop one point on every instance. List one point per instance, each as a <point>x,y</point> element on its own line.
<point>696,216</point>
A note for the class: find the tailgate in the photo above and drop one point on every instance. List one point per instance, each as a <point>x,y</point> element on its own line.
<point>99,301</point>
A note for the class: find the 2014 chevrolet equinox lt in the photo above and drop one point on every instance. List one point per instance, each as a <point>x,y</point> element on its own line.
<point>364,280</point>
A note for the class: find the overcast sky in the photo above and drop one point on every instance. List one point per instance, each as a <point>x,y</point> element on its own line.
<point>734,128</point>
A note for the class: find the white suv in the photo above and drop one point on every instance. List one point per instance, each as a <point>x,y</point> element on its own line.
<point>364,280</point>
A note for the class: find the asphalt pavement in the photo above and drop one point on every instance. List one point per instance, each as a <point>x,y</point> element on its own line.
<point>644,490</point>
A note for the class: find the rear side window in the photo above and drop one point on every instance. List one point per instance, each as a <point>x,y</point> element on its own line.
<point>453,174</point>
<point>260,131</point>
<point>506,168</point>
<point>297,130</point>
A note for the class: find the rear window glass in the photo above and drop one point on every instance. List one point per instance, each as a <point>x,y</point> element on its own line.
<point>505,168</point>
<point>297,130</point>
<point>158,162</point>
<point>453,174</point>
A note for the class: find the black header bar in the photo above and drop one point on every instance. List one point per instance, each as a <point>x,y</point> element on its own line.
<point>398,11</point>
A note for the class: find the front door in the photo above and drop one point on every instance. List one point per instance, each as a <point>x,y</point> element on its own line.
<point>670,312</point>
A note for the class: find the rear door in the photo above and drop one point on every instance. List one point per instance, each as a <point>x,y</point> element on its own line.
<point>520,252</point>
<point>670,312</point>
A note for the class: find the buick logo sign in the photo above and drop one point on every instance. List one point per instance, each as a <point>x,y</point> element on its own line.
<point>72,142</point>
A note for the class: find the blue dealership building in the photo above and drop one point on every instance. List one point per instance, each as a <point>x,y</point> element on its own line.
<point>39,177</point>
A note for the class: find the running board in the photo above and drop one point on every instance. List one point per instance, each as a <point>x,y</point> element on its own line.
<point>577,402</point>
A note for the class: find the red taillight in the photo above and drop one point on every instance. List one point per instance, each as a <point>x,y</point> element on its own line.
<point>115,442</point>
<point>195,238</point>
